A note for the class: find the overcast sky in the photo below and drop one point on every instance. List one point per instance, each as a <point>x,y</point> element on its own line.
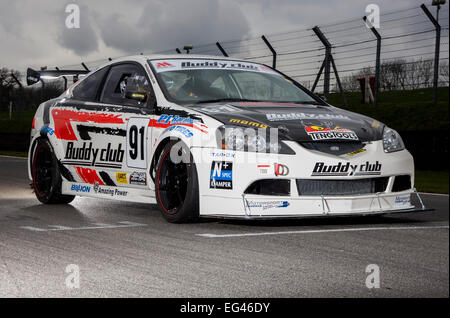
<point>33,32</point>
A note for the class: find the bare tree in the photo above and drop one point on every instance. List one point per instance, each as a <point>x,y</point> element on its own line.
<point>443,73</point>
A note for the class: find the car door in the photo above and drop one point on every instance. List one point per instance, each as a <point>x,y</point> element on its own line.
<point>123,86</point>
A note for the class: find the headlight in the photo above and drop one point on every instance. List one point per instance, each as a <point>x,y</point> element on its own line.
<point>392,140</point>
<point>252,140</point>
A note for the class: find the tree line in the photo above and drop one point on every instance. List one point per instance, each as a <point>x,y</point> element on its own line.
<point>22,97</point>
<point>400,74</point>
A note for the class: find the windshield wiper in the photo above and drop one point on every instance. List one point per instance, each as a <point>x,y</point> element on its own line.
<point>312,102</point>
<point>254,100</point>
<point>226,100</point>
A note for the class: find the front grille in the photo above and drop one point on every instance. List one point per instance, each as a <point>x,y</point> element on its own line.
<point>342,187</point>
<point>334,148</point>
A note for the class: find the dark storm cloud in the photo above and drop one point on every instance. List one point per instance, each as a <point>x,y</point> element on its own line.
<point>169,24</point>
<point>81,41</point>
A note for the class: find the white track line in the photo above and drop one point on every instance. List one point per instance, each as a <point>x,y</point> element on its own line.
<point>95,227</point>
<point>14,157</point>
<point>439,194</point>
<point>209,235</point>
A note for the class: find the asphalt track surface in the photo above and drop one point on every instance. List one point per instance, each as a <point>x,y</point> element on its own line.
<point>128,250</point>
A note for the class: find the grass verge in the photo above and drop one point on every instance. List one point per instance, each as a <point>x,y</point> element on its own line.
<point>432,181</point>
<point>13,153</point>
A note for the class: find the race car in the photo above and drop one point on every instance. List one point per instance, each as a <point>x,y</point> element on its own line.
<point>206,136</point>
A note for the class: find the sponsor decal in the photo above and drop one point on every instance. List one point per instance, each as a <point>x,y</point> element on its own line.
<point>356,152</point>
<point>281,170</point>
<point>346,169</point>
<point>139,178</point>
<point>248,123</point>
<point>109,191</point>
<point>265,205</point>
<point>80,188</point>
<point>163,64</point>
<point>300,116</point>
<point>375,124</point>
<point>47,130</point>
<point>228,155</point>
<point>165,121</point>
<point>186,64</point>
<point>95,156</point>
<point>175,120</point>
<point>220,109</point>
<point>121,177</point>
<point>402,200</point>
<point>182,130</point>
<point>263,169</point>
<point>321,133</point>
<point>221,175</point>
<point>219,64</point>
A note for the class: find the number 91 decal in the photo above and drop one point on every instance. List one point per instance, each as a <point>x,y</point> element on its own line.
<point>137,130</point>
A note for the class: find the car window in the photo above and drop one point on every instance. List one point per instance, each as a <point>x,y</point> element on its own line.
<point>204,80</point>
<point>122,78</point>
<point>257,86</point>
<point>88,87</point>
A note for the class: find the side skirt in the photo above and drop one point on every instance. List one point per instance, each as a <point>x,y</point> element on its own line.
<point>107,192</point>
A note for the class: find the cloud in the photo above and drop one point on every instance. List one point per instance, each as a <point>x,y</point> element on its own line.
<point>170,24</point>
<point>10,19</point>
<point>83,40</point>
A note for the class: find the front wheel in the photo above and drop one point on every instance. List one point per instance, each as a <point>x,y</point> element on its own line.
<point>177,184</point>
<point>46,175</point>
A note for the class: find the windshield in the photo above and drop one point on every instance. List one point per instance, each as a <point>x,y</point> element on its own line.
<point>200,81</point>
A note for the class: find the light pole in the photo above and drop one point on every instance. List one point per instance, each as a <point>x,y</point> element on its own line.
<point>437,4</point>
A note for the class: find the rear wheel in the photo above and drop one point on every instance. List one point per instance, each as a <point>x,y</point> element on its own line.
<point>46,175</point>
<point>177,184</point>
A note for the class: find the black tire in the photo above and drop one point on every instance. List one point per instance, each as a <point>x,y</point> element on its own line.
<point>46,175</point>
<point>176,185</point>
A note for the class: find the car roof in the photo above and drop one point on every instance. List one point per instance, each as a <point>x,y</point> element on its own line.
<point>144,58</point>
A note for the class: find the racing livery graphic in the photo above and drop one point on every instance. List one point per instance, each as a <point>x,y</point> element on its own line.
<point>204,136</point>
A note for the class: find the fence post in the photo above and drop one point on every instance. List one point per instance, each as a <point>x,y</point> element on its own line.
<point>274,53</point>
<point>221,49</point>
<point>85,67</point>
<point>326,62</point>
<point>17,81</point>
<point>377,62</point>
<point>65,80</point>
<point>436,50</point>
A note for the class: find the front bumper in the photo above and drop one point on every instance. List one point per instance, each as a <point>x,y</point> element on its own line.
<point>236,203</point>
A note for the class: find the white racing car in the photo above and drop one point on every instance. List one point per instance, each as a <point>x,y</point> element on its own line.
<point>213,137</point>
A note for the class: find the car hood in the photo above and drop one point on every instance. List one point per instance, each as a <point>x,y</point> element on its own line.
<point>297,122</point>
